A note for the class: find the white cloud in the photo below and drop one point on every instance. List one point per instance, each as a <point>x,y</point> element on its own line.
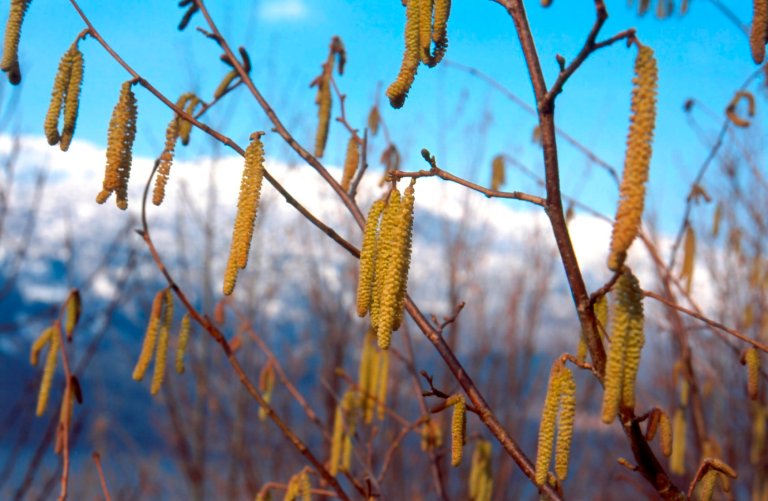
<point>282,10</point>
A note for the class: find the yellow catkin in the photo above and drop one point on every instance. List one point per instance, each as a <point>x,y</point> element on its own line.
<point>247,206</point>
<point>677,458</point>
<point>759,30</point>
<point>368,258</point>
<point>165,161</point>
<point>730,110</point>
<point>548,423</point>
<point>189,102</point>
<point>150,337</point>
<point>689,256</point>
<point>351,161</point>
<point>382,383</point>
<point>324,102</point>
<point>431,435</point>
<point>181,344</point>
<point>122,132</point>
<point>350,404</point>
<point>565,422</point>
<point>405,243</point>
<point>398,90</point>
<point>336,441</point>
<point>630,300</point>
<point>365,376</point>
<point>304,486</point>
<point>627,340</point>
<point>58,95</point>
<point>752,361</point>
<point>717,217</point>
<point>385,250</point>
<point>458,430</point>
<point>440,31</point>
<point>759,437</point>
<point>72,99</point>
<point>48,371</point>
<point>497,172</point>
<point>72,309</point>
<point>395,236</point>
<point>292,489</point>
<point>161,356</point>
<point>706,485</point>
<point>41,342</point>
<point>581,350</point>
<point>653,424</point>
<point>10,60</point>
<point>266,387</point>
<point>480,474</point>
<point>601,311</point>
<point>224,85</point>
<point>638,158</point>
<point>426,8</point>
<point>374,119</point>
<point>665,433</point>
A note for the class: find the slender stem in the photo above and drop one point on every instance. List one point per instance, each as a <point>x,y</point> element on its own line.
<point>102,481</point>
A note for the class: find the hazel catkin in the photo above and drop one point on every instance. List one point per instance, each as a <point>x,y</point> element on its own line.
<point>72,98</point>
<point>10,60</point>
<point>398,90</point>
<point>247,207</point>
<point>351,160</point>
<point>368,258</point>
<point>565,421</point>
<point>150,337</point>
<point>122,132</point>
<point>458,429</point>
<point>48,371</point>
<point>638,157</point>
<point>759,30</point>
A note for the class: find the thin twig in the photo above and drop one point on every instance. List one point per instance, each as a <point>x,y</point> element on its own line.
<point>102,481</point>
<point>717,325</point>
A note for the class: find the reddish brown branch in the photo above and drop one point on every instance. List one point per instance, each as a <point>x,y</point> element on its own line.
<point>102,481</point>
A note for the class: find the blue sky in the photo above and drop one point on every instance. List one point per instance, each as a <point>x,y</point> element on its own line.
<point>701,55</point>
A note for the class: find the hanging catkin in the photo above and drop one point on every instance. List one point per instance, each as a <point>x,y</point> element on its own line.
<point>405,243</point>
<point>385,249</point>
<point>10,60</point>
<point>72,99</point>
<point>627,340</point>
<point>677,458</point>
<point>161,356</point>
<point>638,158</point>
<point>398,90</point>
<point>458,429</point>
<point>480,475</point>
<point>368,258</point>
<point>165,161</point>
<point>181,346</point>
<point>689,256</point>
<point>752,360</point>
<point>351,161</point>
<point>497,172</point>
<point>759,30</point>
<point>122,132</point>
<point>247,206</point>
<point>150,337</point>
<point>58,94</point>
<point>565,422</point>
<point>49,370</point>
<point>548,424</point>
